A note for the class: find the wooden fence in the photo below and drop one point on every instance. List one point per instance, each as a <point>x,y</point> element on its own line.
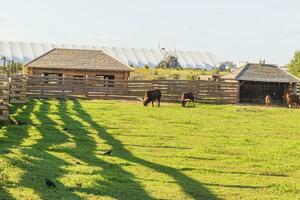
<point>17,89</point>
<point>4,99</point>
<point>52,87</point>
<point>217,92</point>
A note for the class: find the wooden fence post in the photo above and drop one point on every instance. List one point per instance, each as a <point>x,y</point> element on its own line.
<point>106,86</point>
<point>238,93</point>
<point>85,87</point>
<point>153,82</point>
<point>126,89</point>
<point>4,98</point>
<point>197,92</point>
<point>17,89</point>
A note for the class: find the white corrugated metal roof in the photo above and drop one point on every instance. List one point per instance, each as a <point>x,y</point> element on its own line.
<point>24,52</point>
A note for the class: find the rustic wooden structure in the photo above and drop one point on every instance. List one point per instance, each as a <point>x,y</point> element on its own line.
<point>256,81</point>
<point>17,89</point>
<point>4,99</point>
<point>219,92</point>
<point>78,64</point>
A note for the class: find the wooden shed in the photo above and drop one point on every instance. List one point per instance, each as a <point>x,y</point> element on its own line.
<point>78,63</point>
<point>256,81</point>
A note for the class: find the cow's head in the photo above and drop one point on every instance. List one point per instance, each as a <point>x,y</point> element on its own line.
<point>146,101</point>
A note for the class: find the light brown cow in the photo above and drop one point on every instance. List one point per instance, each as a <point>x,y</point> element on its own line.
<point>291,100</point>
<point>268,100</point>
<point>287,100</point>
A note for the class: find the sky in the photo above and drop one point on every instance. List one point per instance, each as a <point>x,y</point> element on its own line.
<point>235,30</point>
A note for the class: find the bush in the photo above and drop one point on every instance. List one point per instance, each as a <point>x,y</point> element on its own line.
<point>191,77</point>
<point>161,78</point>
<point>175,76</point>
<point>202,72</point>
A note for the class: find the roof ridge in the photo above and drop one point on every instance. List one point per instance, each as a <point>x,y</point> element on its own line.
<point>77,49</point>
<point>244,68</point>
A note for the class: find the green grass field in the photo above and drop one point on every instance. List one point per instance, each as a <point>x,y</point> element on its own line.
<point>206,152</point>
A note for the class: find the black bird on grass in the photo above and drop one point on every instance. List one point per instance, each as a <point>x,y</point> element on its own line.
<point>78,162</point>
<point>17,122</point>
<point>65,129</point>
<point>108,153</point>
<point>49,183</point>
<point>21,122</point>
<point>79,185</point>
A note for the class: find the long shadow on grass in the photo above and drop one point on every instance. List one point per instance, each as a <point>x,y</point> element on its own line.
<point>191,187</point>
<point>117,182</point>
<point>14,135</point>
<point>39,164</point>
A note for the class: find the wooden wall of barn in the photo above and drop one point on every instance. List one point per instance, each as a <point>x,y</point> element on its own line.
<point>119,75</point>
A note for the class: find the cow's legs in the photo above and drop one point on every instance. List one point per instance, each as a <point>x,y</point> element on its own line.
<point>152,103</point>
<point>158,102</point>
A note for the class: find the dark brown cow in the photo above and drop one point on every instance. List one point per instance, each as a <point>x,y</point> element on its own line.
<point>187,97</point>
<point>151,96</point>
<point>295,101</point>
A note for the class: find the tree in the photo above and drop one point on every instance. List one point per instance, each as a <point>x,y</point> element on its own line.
<point>294,65</point>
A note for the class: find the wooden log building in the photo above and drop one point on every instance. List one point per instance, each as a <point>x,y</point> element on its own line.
<point>79,64</point>
<point>256,81</point>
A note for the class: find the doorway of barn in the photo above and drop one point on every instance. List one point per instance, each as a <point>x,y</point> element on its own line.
<point>255,92</point>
